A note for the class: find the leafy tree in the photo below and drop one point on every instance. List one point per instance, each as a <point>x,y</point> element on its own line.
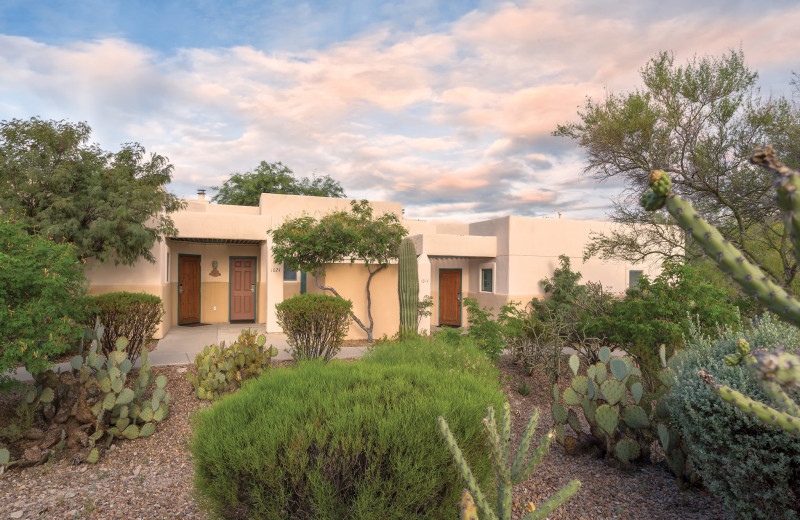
<point>58,184</point>
<point>307,244</point>
<point>41,290</point>
<point>700,122</point>
<point>245,189</point>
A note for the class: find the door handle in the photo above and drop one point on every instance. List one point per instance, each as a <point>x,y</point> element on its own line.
<point>458,297</point>
<point>180,288</point>
<point>252,287</point>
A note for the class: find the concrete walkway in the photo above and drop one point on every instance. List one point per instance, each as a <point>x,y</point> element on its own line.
<point>182,344</point>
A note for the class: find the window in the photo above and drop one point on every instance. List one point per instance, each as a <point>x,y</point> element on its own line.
<point>633,278</point>
<point>289,275</point>
<point>487,280</point>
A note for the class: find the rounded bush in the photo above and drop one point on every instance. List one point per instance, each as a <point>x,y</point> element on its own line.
<point>315,324</point>
<point>754,468</point>
<point>348,440</point>
<point>134,316</point>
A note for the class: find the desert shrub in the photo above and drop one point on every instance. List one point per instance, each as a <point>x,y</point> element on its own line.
<point>660,311</point>
<point>134,316</point>
<point>222,369</point>
<point>41,290</point>
<point>535,339</point>
<point>754,468</point>
<point>348,440</point>
<point>315,324</point>
<point>484,328</point>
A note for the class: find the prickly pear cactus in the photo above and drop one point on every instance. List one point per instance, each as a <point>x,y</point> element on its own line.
<point>610,397</point>
<point>408,287</point>
<point>96,392</point>
<point>778,373</point>
<point>222,369</point>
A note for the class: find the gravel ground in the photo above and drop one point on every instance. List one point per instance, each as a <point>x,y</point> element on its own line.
<point>152,478</point>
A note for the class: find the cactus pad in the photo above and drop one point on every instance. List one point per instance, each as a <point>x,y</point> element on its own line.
<point>589,409</point>
<point>580,384</point>
<point>574,364</point>
<point>571,397</point>
<point>619,369</point>
<point>574,422</point>
<point>93,456</point>
<point>607,417</point>
<point>627,450</point>
<point>559,413</point>
<point>613,391</point>
<point>635,417</point>
<point>600,373</point>
<point>604,355</point>
<point>664,437</point>
<point>5,456</point>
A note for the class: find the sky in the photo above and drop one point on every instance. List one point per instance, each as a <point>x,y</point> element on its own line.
<point>445,106</point>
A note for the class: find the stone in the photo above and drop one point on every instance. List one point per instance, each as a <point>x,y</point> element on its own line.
<point>34,434</point>
<point>33,455</point>
<point>16,514</point>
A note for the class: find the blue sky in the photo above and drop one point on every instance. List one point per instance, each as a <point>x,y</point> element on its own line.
<point>446,107</point>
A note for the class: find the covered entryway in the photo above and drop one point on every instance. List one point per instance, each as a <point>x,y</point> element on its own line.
<point>450,297</point>
<point>188,289</point>
<point>243,289</point>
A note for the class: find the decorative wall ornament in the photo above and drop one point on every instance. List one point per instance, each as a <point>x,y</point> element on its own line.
<point>214,271</point>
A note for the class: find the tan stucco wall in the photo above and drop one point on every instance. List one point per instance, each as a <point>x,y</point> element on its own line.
<point>350,280</point>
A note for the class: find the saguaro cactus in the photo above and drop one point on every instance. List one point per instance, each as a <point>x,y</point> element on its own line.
<point>408,287</point>
<point>507,474</point>
<point>776,372</point>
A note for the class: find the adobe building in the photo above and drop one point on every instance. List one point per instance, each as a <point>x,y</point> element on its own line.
<point>219,268</point>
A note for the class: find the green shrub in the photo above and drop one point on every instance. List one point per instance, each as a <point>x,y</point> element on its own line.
<point>41,299</point>
<point>484,328</point>
<point>315,324</point>
<point>660,311</point>
<point>134,316</point>
<point>222,369</point>
<point>348,440</point>
<point>754,468</point>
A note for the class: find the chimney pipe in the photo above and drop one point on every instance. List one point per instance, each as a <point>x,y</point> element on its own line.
<point>201,194</point>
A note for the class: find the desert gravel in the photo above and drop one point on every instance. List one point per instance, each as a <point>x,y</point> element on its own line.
<point>152,478</point>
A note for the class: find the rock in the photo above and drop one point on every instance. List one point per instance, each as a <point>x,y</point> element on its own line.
<point>34,434</point>
<point>49,411</point>
<point>16,514</point>
<point>33,455</point>
<point>61,415</point>
<point>69,494</point>
<point>51,438</point>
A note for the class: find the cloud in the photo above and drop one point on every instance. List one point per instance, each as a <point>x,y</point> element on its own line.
<point>453,120</point>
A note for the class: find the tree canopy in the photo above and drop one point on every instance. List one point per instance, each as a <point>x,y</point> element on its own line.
<point>307,244</point>
<point>245,189</point>
<point>700,122</point>
<point>53,181</point>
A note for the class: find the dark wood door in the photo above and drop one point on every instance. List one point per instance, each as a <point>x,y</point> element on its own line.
<point>450,297</point>
<point>243,289</point>
<point>188,289</point>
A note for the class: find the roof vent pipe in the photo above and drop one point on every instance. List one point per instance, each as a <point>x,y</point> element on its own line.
<point>201,194</point>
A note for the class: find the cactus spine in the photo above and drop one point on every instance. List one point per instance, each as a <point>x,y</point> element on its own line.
<point>776,372</point>
<point>408,287</point>
<point>508,473</point>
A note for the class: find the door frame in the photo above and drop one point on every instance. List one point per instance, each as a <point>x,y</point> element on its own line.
<point>199,286</point>
<point>255,285</point>
<point>460,306</point>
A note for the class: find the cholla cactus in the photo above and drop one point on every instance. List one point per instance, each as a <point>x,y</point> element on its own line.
<point>776,372</point>
<point>507,475</point>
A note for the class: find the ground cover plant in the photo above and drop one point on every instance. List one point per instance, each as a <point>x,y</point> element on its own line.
<point>348,440</point>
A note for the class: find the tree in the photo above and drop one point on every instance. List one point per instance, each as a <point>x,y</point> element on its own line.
<point>307,244</point>
<point>41,290</point>
<point>245,189</point>
<point>107,204</point>
<point>699,122</point>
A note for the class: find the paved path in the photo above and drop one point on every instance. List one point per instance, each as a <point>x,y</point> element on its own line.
<point>182,344</point>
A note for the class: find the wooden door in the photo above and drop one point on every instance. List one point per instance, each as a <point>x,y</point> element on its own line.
<point>243,289</point>
<point>188,289</point>
<point>450,297</point>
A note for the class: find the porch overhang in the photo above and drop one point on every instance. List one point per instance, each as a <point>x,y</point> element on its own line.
<point>202,240</point>
<point>455,246</point>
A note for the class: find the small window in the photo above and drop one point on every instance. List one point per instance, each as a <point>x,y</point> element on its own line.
<point>289,275</point>
<point>486,280</point>
<point>633,278</point>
